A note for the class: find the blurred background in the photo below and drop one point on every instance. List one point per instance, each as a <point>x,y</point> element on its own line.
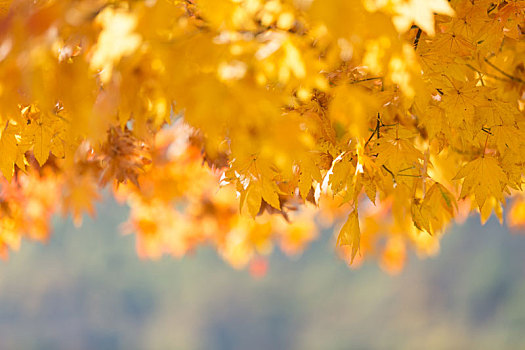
<point>87,289</point>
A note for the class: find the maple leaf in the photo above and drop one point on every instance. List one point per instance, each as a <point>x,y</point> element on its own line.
<point>496,112</point>
<point>350,234</point>
<point>461,100</point>
<point>399,156</point>
<point>421,13</point>
<point>436,210</point>
<point>483,177</point>
<point>124,157</point>
<point>253,198</point>
<point>8,149</point>
<point>507,138</point>
<point>270,194</point>
<point>452,42</point>
<point>79,198</point>
<point>42,135</point>
<point>342,173</point>
<point>309,171</point>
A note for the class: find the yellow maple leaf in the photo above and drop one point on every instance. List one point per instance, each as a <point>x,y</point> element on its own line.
<point>507,138</point>
<point>399,156</point>
<point>309,172</point>
<point>421,13</point>
<point>269,194</point>
<point>9,150</point>
<point>253,199</point>
<point>79,196</point>
<point>350,234</point>
<point>483,178</point>
<point>343,173</point>
<point>42,134</point>
<point>451,42</point>
<point>436,210</point>
<point>460,101</point>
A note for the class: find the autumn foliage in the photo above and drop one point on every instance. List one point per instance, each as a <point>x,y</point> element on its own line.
<point>247,124</point>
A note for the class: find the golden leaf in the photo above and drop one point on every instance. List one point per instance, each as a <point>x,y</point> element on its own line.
<point>9,150</point>
<point>350,234</point>
<point>483,178</point>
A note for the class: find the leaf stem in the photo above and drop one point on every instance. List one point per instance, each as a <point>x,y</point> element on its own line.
<point>409,175</point>
<point>412,167</point>
<point>375,131</point>
<point>487,75</point>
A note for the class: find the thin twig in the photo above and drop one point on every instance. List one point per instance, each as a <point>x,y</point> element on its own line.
<point>511,77</point>
<point>378,125</point>
<point>488,74</point>
<point>409,175</point>
<point>390,172</point>
<point>370,138</point>
<point>375,131</point>
<point>416,40</point>
<point>412,167</point>
<point>486,130</point>
<point>366,79</point>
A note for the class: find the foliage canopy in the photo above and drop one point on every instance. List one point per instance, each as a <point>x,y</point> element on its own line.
<point>236,123</point>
